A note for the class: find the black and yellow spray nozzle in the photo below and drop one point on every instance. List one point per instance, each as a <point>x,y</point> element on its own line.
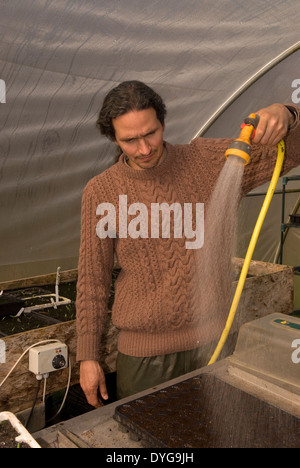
<point>241,147</point>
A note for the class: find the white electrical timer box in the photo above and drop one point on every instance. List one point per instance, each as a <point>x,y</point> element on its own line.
<point>48,358</point>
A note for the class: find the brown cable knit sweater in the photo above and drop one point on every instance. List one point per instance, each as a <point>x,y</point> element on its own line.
<point>153,305</point>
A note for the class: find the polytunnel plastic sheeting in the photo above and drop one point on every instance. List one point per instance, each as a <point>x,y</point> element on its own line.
<point>59,58</point>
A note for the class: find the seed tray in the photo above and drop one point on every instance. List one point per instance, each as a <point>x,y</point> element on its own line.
<point>206,412</point>
<point>295,219</point>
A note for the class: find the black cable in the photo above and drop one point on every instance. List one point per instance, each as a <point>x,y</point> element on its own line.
<point>34,403</point>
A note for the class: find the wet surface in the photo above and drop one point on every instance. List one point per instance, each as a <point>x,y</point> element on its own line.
<point>206,412</point>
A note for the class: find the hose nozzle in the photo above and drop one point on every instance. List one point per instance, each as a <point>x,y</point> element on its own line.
<point>241,147</point>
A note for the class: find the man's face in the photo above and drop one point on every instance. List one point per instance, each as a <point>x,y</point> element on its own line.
<point>140,136</point>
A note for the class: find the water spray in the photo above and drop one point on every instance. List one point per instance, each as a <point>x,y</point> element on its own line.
<point>241,148</point>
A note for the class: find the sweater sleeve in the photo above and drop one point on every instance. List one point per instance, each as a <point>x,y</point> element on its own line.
<point>94,279</point>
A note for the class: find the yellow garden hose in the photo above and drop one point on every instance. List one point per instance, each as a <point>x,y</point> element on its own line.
<point>251,247</point>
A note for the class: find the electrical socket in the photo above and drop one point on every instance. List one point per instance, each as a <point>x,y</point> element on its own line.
<point>48,358</point>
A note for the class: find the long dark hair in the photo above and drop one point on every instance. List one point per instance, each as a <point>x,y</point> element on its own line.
<point>126,97</point>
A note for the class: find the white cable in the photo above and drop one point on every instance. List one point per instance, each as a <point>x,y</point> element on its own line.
<point>45,376</point>
<point>65,396</point>
<point>26,350</point>
<point>44,390</point>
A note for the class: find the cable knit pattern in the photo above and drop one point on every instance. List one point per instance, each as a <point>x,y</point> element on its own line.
<point>154,307</point>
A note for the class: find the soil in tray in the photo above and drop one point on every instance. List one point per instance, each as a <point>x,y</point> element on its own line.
<point>8,435</point>
<point>63,313</point>
<point>11,325</point>
<point>9,305</point>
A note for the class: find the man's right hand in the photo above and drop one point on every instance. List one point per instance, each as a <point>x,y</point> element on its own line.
<point>92,377</point>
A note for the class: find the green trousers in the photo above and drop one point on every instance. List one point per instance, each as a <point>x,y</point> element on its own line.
<point>136,374</point>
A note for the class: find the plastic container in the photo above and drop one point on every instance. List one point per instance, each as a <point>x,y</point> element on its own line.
<point>271,346</point>
<point>24,436</point>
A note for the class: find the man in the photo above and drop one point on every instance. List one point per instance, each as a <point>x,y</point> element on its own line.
<point>161,333</point>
